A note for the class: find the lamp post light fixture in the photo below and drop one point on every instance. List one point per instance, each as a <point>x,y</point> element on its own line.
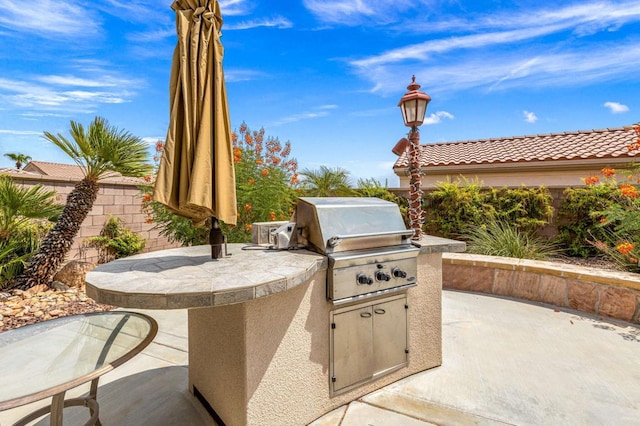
<point>413,106</point>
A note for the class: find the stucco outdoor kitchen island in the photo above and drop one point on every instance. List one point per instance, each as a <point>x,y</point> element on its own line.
<point>259,324</point>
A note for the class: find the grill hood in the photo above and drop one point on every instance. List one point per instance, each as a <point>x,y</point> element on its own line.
<point>335,224</point>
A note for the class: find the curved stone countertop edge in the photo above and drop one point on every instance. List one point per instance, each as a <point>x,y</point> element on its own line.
<point>109,283</point>
<point>127,282</point>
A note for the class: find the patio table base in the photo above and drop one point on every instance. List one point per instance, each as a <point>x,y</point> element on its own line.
<point>58,404</point>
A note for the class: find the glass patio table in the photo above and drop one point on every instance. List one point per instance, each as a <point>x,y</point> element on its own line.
<point>48,358</point>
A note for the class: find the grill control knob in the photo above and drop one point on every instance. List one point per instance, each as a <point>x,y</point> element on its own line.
<point>363,279</point>
<point>381,276</point>
<point>398,273</point>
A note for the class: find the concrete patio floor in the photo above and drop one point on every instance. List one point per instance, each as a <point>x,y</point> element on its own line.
<point>505,362</point>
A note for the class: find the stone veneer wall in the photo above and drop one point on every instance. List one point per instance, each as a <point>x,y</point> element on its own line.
<point>122,200</point>
<point>607,293</point>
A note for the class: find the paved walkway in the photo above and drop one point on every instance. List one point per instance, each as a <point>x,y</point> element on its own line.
<point>505,362</point>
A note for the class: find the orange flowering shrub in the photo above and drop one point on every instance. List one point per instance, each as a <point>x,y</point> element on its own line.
<point>625,248</point>
<point>619,232</point>
<point>265,189</point>
<point>591,180</point>
<point>266,177</point>
<point>608,172</point>
<point>628,190</point>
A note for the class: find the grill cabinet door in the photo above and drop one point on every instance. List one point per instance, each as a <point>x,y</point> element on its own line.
<point>352,347</point>
<point>389,334</point>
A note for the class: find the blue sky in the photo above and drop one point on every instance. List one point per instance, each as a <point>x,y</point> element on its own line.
<point>326,75</point>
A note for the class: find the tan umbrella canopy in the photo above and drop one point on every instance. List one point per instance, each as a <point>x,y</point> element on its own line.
<point>196,178</point>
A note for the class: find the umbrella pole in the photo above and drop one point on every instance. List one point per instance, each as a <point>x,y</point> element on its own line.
<point>216,239</point>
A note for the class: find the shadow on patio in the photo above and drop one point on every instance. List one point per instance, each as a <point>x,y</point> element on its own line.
<point>505,362</point>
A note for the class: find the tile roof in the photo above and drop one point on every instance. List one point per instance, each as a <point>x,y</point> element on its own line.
<point>72,172</point>
<point>589,144</point>
<point>69,171</point>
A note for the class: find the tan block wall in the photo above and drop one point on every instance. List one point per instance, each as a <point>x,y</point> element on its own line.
<point>607,293</point>
<point>121,200</point>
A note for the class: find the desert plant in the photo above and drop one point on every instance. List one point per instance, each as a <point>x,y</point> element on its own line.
<point>618,230</point>
<point>115,241</point>
<point>16,251</point>
<point>326,182</point>
<point>266,178</point>
<point>19,159</point>
<point>500,238</point>
<point>25,215</point>
<point>99,151</point>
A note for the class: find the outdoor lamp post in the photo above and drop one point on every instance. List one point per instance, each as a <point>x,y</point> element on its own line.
<point>413,106</point>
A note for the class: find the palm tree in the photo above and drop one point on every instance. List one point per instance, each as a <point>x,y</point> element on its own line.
<point>20,159</point>
<point>100,151</point>
<point>326,182</point>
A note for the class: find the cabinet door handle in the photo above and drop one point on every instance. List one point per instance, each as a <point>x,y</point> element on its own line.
<point>365,314</point>
<point>379,311</point>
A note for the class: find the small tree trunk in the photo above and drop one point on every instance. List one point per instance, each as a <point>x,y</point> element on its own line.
<point>57,243</point>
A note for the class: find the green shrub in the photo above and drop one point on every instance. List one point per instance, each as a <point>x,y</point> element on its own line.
<point>528,209</point>
<point>17,248</point>
<point>457,205</point>
<point>454,206</point>
<point>115,241</point>
<point>502,238</point>
<point>576,221</point>
<point>26,215</point>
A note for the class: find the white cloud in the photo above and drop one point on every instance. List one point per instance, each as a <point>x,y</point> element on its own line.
<point>49,18</point>
<point>235,75</point>
<point>70,80</point>
<point>299,117</point>
<point>494,70</point>
<point>513,50</point>
<point>615,107</point>
<point>19,132</point>
<point>234,7</point>
<point>436,117</point>
<point>530,117</point>
<point>355,12</point>
<point>152,140</point>
<point>277,22</point>
<point>89,85</point>
<point>584,18</point>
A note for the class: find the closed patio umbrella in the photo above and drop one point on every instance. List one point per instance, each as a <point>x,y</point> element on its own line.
<point>196,177</point>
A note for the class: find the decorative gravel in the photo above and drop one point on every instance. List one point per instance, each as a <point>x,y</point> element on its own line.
<point>18,308</point>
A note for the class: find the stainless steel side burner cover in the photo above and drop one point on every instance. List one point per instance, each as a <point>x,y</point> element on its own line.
<point>336,224</point>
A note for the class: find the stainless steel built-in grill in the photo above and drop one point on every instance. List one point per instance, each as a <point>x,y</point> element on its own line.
<point>367,244</point>
<point>371,264</point>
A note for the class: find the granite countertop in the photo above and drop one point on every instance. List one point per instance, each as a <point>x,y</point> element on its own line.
<point>187,277</point>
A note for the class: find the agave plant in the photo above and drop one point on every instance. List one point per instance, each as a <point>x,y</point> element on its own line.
<point>100,151</point>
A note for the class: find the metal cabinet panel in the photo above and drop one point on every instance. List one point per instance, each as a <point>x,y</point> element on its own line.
<point>352,343</point>
<point>389,335</point>
<point>368,340</point>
